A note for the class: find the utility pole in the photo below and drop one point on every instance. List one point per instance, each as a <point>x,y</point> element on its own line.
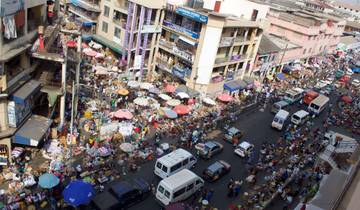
<point>283,55</point>
<point>72,118</point>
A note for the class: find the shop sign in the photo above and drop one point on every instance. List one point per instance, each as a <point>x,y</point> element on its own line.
<point>192,15</point>
<point>148,29</point>
<point>185,55</point>
<point>181,29</point>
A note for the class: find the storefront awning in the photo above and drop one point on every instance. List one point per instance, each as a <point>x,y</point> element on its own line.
<point>235,85</point>
<point>26,91</point>
<point>33,131</point>
<point>110,44</point>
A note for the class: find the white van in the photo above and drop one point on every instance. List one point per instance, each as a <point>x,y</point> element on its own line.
<point>279,105</point>
<point>173,162</point>
<point>280,119</point>
<point>300,117</point>
<point>178,187</point>
<point>318,104</point>
<point>293,95</point>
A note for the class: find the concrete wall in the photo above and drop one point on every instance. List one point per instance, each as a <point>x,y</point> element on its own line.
<point>240,8</point>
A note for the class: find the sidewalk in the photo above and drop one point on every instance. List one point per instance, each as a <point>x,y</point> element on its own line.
<point>351,200</point>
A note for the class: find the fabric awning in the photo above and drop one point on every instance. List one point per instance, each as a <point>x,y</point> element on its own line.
<point>235,85</point>
<point>110,44</point>
<point>26,91</point>
<point>33,131</point>
<point>189,91</point>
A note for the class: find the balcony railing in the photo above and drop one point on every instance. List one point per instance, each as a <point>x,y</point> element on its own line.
<point>83,13</point>
<point>90,5</point>
<point>181,29</point>
<point>120,22</point>
<point>176,50</point>
<point>226,41</point>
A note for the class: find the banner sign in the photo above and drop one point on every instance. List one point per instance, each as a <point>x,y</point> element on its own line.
<point>192,15</point>
<point>181,29</point>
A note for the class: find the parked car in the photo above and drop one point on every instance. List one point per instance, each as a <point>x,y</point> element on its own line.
<point>216,170</point>
<point>209,149</point>
<point>232,133</point>
<point>244,149</point>
<point>355,83</point>
<point>130,193</point>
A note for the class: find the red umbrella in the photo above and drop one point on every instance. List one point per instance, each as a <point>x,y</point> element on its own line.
<point>71,43</point>
<point>84,45</point>
<point>170,88</point>
<point>225,97</point>
<point>123,114</point>
<point>182,109</point>
<point>346,99</point>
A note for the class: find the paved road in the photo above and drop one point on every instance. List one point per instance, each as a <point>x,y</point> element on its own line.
<point>256,125</point>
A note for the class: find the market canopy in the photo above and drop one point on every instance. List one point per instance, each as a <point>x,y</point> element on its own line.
<point>209,101</point>
<point>108,43</point>
<point>154,90</point>
<point>225,97</point>
<point>169,113</point>
<point>164,97</point>
<point>182,109</point>
<point>235,85</point>
<point>186,89</point>
<point>33,131</point>
<point>123,114</point>
<point>48,181</point>
<point>27,90</point>
<point>281,76</point>
<point>173,102</point>
<point>170,88</point>
<point>141,101</point>
<point>183,95</point>
<point>78,193</point>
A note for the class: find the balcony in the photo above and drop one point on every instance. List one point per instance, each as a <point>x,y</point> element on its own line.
<point>88,16</point>
<point>120,22</point>
<point>226,41</point>
<point>89,5</point>
<point>181,30</point>
<point>229,60</point>
<point>172,48</point>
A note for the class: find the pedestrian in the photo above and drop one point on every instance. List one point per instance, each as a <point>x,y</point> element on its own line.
<point>209,195</point>
<point>237,188</point>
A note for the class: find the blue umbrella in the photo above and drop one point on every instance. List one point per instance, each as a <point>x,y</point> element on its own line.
<point>78,193</point>
<point>48,181</point>
<point>281,76</point>
<point>169,113</point>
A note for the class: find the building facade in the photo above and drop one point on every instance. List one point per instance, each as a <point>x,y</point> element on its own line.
<point>316,33</point>
<point>22,19</point>
<point>204,48</point>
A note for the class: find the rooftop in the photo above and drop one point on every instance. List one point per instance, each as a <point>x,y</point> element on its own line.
<point>347,5</point>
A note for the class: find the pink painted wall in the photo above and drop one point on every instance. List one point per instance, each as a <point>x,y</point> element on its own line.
<point>313,40</point>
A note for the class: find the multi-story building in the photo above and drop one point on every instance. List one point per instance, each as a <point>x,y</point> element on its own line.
<point>352,9</point>
<point>314,32</point>
<point>352,26</point>
<point>132,29</point>
<point>85,13</point>
<point>205,48</point>
<point>21,20</point>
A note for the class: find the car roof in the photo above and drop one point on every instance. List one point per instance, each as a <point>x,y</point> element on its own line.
<point>211,144</point>
<point>215,166</point>
<point>178,179</point>
<point>233,130</point>
<point>245,145</point>
<point>174,157</point>
<point>121,188</point>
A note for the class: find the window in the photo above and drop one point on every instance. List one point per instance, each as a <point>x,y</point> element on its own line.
<point>105,27</point>
<point>117,32</point>
<point>190,187</point>
<point>161,189</point>
<point>167,194</point>
<point>106,11</point>
<point>175,167</point>
<point>304,52</point>
<point>198,182</point>
<point>309,50</point>
<point>254,15</point>
<point>165,169</point>
<point>185,162</point>
<point>158,164</point>
<point>179,192</point>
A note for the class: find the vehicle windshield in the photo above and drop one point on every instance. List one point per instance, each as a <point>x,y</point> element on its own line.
<point>161,189</point>
<point>314,106</point>
<point>296,117</point>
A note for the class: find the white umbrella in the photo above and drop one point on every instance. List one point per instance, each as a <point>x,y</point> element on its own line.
<point>133,84</point>
<point>164,97</point>
<point>146,85</point>
<point>141,101</point>
<point>183,95</point>
<point>173,102</point>
<point>127,147</point>
<point>209,101</point>
<point>99,55</point>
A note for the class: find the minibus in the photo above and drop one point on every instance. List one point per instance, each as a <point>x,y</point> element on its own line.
<point>280,119</point>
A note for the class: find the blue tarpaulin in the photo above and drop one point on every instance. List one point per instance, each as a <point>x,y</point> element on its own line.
<point>33,131</point>
<point>281,76</point>
<point>235,85</point>
<point>25,92</point>
<point>356,69</point>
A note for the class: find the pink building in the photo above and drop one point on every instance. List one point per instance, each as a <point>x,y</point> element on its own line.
<point>314,32</point>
